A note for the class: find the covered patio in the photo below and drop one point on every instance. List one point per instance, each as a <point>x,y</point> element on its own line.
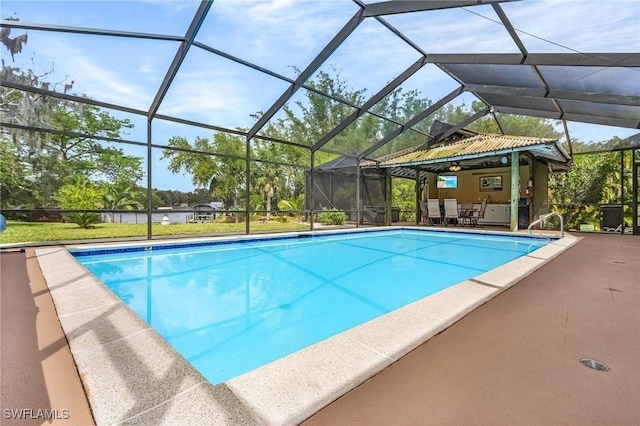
<point>511,171</point>
<point>508,172</point>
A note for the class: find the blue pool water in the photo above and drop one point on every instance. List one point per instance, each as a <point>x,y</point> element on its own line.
<point>230,308</point>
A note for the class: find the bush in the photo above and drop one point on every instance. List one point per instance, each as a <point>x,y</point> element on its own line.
<point>83,220</point>
<point>78,193</point>
<point>332,217</point>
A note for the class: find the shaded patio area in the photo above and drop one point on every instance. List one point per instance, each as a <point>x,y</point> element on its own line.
<point>514,360</point>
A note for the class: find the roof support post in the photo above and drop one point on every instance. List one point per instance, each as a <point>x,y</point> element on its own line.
<point>149,182</point>
<point>622,191</point>
<point>247,183</point>
<point>358,201</point>
<point>635,211</point>
<point>419,197</point>
<point>388,197</point>
<point>311,197</point>
<point>515,189</point>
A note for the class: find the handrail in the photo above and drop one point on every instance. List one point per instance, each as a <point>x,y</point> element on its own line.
<point>545,217</point>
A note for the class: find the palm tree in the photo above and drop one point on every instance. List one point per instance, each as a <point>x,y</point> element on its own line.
<point>296,204</point>
<point>116,199</point>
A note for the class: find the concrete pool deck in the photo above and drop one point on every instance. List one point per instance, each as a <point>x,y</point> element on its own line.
<point>130,380</point>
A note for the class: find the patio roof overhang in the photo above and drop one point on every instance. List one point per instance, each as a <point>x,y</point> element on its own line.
<point>480,151</point>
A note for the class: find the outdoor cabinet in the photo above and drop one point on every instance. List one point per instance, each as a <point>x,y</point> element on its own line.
<point>495,214</point>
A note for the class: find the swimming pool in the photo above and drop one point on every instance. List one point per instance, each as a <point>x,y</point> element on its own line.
<point>231,307</point>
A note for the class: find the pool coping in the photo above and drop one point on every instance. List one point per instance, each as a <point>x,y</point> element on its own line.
<point>131,375</point>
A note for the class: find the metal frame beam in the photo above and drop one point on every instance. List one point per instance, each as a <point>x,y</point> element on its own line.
<point>87,31</point>
<point>407,6</point>
<point>415,120</point>
<point>532,92</point>
<point>317,62</point>
<point>280,77</point>
<point>464,123</point>
<point>510,29</point>
<point>540,59</point>
<point>371,102</point>
<point>186,44</point>
<point>73,98</point>
<point>582,118</point>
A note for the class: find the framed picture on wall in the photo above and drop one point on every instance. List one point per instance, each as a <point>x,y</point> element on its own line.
<point>491,183</point>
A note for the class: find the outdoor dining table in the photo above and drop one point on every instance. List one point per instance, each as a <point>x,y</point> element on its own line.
<point>466,215</point>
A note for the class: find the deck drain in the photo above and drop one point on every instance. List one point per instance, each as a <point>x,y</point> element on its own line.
<point>619,262</point>
<point>595,364</point>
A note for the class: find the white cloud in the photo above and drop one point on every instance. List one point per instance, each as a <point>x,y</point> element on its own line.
<point>275,34</point>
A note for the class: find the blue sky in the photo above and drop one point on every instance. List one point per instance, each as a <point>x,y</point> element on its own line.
<point>285,34</point>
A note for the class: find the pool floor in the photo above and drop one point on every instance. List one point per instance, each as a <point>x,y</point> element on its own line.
<point>231,308</point>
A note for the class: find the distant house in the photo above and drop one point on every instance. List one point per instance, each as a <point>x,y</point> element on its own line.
<point>206,212</point>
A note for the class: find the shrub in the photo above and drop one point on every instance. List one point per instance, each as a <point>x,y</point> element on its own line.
<point>78,193</point>
<point>332,217</point>
<point>83,220</point>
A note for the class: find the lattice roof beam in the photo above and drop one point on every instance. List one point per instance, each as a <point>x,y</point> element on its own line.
<point>407,6</point>
<point>189,37</point>
<point>317,62</point>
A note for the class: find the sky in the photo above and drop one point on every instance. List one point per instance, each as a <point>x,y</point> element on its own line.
<point>284,36</point>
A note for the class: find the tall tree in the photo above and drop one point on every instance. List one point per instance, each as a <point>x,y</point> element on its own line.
<point>578,192</point>
<point>75,150</point>
<point>16,190</point>
<point>72,147</point>
<point>222,174</point>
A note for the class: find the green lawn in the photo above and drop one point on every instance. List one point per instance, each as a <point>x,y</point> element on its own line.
<point>20,232</point>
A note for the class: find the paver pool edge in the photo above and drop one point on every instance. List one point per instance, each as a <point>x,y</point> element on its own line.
<point>132,375</point>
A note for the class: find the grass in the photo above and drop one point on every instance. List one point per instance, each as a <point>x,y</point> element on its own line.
<point>23,232</point>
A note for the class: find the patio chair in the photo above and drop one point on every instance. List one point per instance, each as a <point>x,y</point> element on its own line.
<point>450,210</point>
<point>424,211</point>
<point>465,213</point>
<point>475,216</point>
<point>433,210</point>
